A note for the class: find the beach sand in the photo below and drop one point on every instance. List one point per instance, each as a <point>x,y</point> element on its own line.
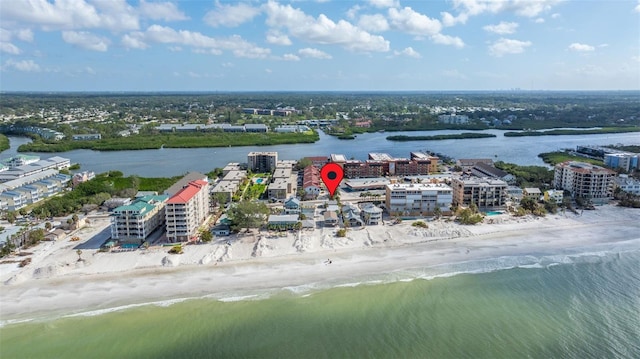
<point>56,283</point>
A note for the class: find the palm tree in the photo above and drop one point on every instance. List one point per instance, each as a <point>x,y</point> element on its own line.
<point>79,253</point>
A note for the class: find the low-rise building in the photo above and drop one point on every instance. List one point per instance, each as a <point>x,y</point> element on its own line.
<point>532,192</point>
<point>311,181</point>
<point>627,184</point>
<point>555,195</point>
<point>283,222</point>
<point>482,169</point>
<point>418,199</point>
<point>371,215</point>
<point>87,137</point>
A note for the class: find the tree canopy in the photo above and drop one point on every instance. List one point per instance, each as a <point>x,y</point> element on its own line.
<point>247,214</point>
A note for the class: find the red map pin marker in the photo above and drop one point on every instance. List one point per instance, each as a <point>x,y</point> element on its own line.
<point>331,175</point>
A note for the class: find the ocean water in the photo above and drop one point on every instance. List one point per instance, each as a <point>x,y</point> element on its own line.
<point>583,306</point>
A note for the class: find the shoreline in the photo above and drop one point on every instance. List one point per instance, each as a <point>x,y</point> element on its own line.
<point>55,284</point>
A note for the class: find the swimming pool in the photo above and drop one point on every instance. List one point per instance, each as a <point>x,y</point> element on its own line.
<point>259,180</point>
<point>494,213</point>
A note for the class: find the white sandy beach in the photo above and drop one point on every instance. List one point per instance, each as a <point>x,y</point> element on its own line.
<point>56,283</point>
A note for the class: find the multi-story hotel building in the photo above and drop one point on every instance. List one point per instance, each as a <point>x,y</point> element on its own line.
<point>584,180</point>
<point>412,199</point>
<point>262,162</point>
<point>485,193</point>
<point>382,164</point>
<point>134,222</point>
<point>186,211</point>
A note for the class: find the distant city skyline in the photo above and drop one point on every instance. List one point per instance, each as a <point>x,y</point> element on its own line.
<point>323,45</point>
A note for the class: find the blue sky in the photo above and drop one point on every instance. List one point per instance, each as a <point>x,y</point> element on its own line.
<point>325,45</point>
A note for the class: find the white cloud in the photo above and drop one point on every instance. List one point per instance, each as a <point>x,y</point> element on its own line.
<point>508,46</point>
<point>539,20</point>
<point>9,48</point>
<point>555,15</point>
<point>230,15</point>
<point>412,22</point>
<point>322,30</point>
<point>448,40</point>
<point>115,15</point>
<point>291,57</point>
<point>353,11</point>
<point>200,43</point>
<point>175,48</point>
<point>384,3</point>
<point>314,53</point>
<point>373,23</point>
<point>450,20</point>
<point>134,41</point>
<point>502,28</point>
<point>277,38</point>
<point>86,40</point>
<point>24,35</point>
<point>637,8</point>
<point>581,47</point>
<point>24,65</point>
<point>409,51</point>
<point>467,8</point>
<point>166,11</point>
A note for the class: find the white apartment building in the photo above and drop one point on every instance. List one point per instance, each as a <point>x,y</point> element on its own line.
<point>585,180</point>
<point>186,211</point>
<point>134,222</point>
<point>418,199</point>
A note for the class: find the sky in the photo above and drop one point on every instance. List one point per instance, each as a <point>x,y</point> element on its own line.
<point>321,45</point>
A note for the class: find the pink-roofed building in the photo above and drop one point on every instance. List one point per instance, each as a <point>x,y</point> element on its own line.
<point>186,211</point>
<point>311,181</point>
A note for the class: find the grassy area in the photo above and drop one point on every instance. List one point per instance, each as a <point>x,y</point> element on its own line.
<point>554,158</point>
<point>455,136</point>
<point>528,176</point>
<point>4,142</point>
<point>174,140</point>
<point>573,132</point>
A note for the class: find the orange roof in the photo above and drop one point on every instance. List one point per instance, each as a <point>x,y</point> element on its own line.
<point>185,194</point>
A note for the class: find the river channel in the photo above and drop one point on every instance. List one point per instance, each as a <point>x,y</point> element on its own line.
<point>168,162</point>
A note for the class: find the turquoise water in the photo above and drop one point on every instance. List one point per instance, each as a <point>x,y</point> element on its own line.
<point>129,245</point>
<point>259,180</point>
<point>493,213</point>
<point>577,307</point>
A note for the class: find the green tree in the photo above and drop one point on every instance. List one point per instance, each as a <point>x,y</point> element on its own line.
<point>247,214</point>
<point>206,236</point>
<point>79,253</point>
<point>22,211</point>
<point>437,212</point>
<point>528,203</point>
<point>35,236</point>
<point>47,225</point>
<point>303,163</point>
<point>11,216</point>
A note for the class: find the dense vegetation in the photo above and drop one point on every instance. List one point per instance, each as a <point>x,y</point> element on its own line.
<point>574,132</point>
<point>174,140</point>
<point>454,136</point>
<point>93,193</point>
<point>112,114</point>
<point>528,176</point>
<point>4,143</point>
<point>553,158</point>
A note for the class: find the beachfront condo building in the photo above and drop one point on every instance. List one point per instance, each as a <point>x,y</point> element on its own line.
<point>585,180</point>
<point>262,162</point>
<point>418,199</point>
<point>484,193</point>
<point>134,222</point>
<point>186,211</point>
